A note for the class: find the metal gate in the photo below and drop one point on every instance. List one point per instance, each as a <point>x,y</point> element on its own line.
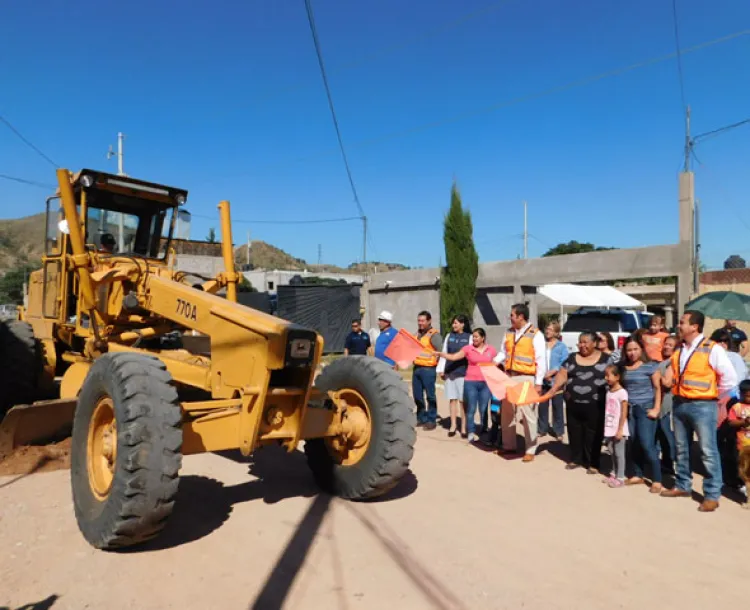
<point>328,310</point>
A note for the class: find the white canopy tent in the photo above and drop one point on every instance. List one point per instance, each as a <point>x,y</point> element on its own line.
<point>554,298</point>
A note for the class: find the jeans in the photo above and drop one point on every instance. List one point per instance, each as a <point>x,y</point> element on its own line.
<point>643,450</point>
<point>476,394</point>
<point>665,438</point>
<point>423,382</point>
<point>558,420</point>
<point>699,416</point>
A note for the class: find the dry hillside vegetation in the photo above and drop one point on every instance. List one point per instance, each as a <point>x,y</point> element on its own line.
<point>21,240</point>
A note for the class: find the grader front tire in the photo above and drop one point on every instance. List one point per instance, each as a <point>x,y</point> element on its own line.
<point>372,467</point>
<point>126,450</point>
<point>20,364</point>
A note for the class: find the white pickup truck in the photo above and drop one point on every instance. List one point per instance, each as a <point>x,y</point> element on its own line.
<point>619,322</point>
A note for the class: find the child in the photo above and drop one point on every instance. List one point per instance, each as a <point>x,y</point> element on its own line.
<point>739,420</point>
<point>616,425</point>
<point>495,406</point>
<point>653,340</point>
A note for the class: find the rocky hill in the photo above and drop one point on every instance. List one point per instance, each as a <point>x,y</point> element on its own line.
<point>22,240</point>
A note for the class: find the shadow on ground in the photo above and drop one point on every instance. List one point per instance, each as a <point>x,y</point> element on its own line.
<point>44,604</point>
<point>203,504</point>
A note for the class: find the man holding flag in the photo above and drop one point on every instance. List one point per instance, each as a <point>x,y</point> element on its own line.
<point>523,356</point>
<point>424,376</point>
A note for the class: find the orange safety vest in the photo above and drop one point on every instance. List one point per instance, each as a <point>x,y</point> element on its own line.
<point>521,356</point>
<point>429,356</point>
<point>699,380</point>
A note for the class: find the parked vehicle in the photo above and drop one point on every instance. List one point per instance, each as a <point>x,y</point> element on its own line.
<point>619,322</point>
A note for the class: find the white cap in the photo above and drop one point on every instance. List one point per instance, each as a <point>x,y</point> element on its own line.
<point>386,315</point>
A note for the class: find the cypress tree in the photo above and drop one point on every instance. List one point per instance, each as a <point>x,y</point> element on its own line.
<point>458,283</point>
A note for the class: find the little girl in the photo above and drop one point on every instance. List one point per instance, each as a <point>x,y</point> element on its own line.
<point>616,425</point>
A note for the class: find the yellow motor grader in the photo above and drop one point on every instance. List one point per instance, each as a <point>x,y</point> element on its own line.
<point>145,365</point>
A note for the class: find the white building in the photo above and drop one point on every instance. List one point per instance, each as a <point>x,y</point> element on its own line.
<point>266,280</point>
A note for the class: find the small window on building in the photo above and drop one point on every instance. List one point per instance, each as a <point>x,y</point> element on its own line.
<point>270,285</point>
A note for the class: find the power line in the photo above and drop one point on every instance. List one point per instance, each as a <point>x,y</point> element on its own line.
<point>679,54</point>
<point>528,97</point>
<point>29,182</point>
<point>715,132</point>
<point>397,46</point>
<point>283,222</point>
<point>26,141</point>
<point>319,54</point>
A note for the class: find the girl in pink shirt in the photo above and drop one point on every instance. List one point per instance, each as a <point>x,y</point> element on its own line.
<point>616,425</point>
<point>476,392</point>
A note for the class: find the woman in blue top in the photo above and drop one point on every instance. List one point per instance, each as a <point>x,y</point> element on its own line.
<point>557,353</point>
<point>642,380</point>
<point>453,372</point>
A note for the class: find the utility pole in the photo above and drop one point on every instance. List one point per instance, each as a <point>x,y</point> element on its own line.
<point>688,140</point>
<point>320,254</point>
<point>696,255</point>
<point>364,245</point>
<point>248,250</point>
<point>120,172</point>
<point>525,231</point>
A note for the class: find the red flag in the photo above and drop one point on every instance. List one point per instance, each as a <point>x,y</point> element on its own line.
<point>523,393</point>
<point>495,378</point>
<point>404,348</point>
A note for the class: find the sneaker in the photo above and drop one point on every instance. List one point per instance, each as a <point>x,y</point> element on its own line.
<point>473,437</point>
<point>616,483</point>
<point>429,426</point>
<point>611,477</point>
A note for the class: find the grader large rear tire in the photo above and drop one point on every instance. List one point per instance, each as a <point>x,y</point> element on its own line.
<point>381,403</point>
<point>126,450</point>
<point>20,365</point>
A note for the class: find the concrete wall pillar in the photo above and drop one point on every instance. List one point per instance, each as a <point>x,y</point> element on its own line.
<point>668,316</point>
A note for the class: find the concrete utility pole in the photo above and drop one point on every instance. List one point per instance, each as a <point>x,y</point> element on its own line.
<point>688,140</point>
<point>364,245</point>
<point>120,172</point>
<point>248,249</point>
<point>697,251</point>
<point>320,254</point>
<point>525,231</point>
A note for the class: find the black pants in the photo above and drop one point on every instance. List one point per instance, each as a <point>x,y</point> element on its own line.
<point>585,433</point>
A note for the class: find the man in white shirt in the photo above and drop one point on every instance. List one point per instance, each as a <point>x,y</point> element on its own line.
<point>701,371</point>
<point>523,355</point>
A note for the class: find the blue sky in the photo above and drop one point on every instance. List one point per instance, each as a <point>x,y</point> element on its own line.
<point>225,99</point>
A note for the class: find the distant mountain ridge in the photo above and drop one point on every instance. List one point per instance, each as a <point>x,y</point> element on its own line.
<point>22,241</point>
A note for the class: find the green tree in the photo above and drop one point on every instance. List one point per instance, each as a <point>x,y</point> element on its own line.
<point>574,247</point>
<point>245,285</point>
<point>11,284</point>
<point>211,237</point>
<point>458,284</point>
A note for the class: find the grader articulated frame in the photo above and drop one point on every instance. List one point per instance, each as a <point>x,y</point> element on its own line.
<point>150,367</point>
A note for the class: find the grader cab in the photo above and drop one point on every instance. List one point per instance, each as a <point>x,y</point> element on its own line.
<point>145,365</point>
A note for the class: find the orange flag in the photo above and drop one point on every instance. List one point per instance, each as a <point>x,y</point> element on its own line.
<point>495,378</point>
<point>523,393</point>
<point>404,348</point>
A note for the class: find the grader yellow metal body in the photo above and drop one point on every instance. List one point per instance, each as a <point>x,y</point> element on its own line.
<point>151,367</point>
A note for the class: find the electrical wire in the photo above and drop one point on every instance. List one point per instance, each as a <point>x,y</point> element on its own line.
<point>397,46</point>
<point>321,64</point>
<point>29,182</point>
<point>588,80</point>
<point>284,222</point>
<point>27,142</point>
<point>679,54</point>
<point>715,132</point>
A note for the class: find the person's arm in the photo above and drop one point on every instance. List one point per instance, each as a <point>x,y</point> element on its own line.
<point>720,363</point>
<point>623,419</point>
<point>440,370</point>
<point>347,343</point>
<point>656,382</point>
<point>501,355</point>
<point>454,357</point>
<point>369,349</point>
<point>667,378</point>
<point>560,380</point>
<point>540,356</point>
<point>436,341</point>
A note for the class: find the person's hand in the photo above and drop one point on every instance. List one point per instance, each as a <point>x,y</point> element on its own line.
<point>538,389</point>
<point>442,376</point>
<point>653,413</point>
<point>618,436</point>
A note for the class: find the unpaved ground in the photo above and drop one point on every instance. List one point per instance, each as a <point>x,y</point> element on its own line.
<point>466,530</point>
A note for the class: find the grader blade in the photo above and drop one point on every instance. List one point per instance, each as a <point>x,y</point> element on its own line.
<point>36,424</point>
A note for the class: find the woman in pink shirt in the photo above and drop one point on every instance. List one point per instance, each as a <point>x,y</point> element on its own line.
<point>476,392</point>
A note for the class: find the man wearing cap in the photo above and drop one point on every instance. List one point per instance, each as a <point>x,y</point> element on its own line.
<point>387,333</point>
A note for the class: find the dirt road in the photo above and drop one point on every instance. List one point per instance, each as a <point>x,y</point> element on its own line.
<point>467,529</point>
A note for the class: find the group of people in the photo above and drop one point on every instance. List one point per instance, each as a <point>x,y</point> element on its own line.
<point>645,402</point>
